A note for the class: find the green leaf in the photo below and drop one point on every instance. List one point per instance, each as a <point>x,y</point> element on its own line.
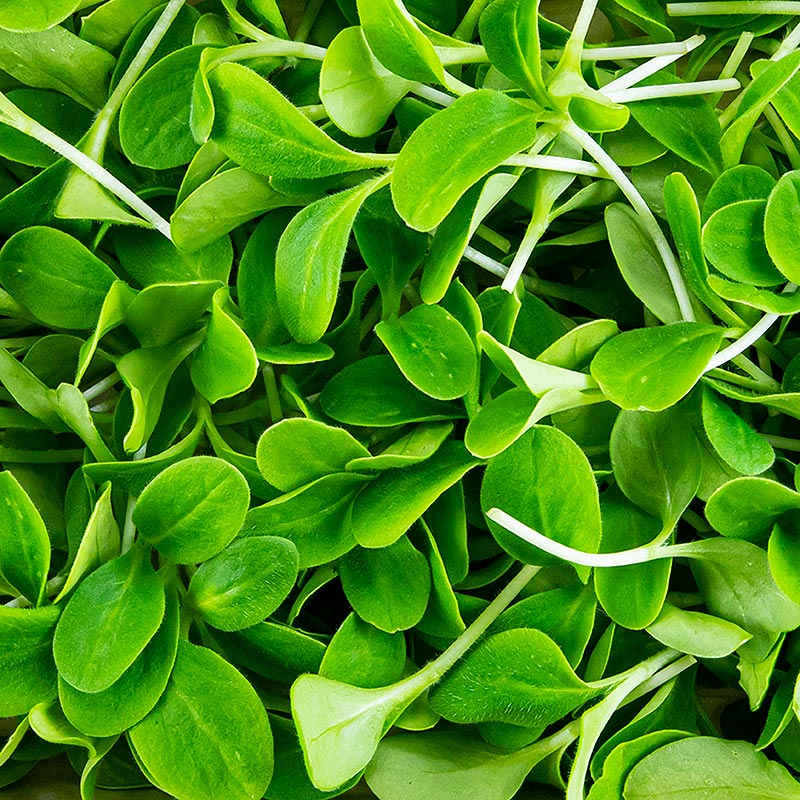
<point>130,698</point>
<point>653,368</point>
<point>703,767</point>
<point>742,182</point>
<point>60,60</point>
<point>387,507</point>
<point>358,105</point>
<point>108,622</point>
<point>747,508</point>
<point>697,634</point>
<point>244,583</point>
<point>686,125</point>
<point>518,676</point>
<point>362,655</point>
<point>545,481</point>
<point>28,17</point>
<point>454,149</point>
<point>26,658</point>
<point>763,299</point>
<point>432,350</point>
<point>733,439</point>
<point>193,509</point>
<point>223,202</point>
<point>209,735</point>
<point>656,461</point>
<point>56,277</point>
<point>297,451</point>
<point>24,543</point>
<point>783,208</point>
<point>388,586</point>
<point>154,118</point>
<point>397,42</point>
<point>784,546</point>
<point>733,241</point>
<point>768,81</point>
<point>391,249</point>
<point>374,392</point>
<point>510,33</point>
<point>639,262</point>
<point>315,517</point>
<point>418,445</point>
<point>309,259</point>
<point>225,364</point>
<point>262,131</point>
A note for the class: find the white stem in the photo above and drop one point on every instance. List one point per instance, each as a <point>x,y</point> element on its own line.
<point>652,66</point>
<point>624,52</point>
<point>98,388</point>
<point>557,164</point>
<point>788,45</point>
<point>645,215</point>
<point>22,122</point>
<point>733,7</point>
<point>623,558</point>
<point>672,90</point>
<point>434,95</point>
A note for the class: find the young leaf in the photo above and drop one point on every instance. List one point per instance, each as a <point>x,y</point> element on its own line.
<point>359,108</point>
<point>309,259</point>
<point>700,635</point>
<point>454,149</point>
<point>225,364</point>
<point>432,350</point>
<point>56,277</point>
<point>35,16</point>
<point>545,481</point>
<point>193,509</point>
<point>397,42</point>
<point>783,209</point>
<point>244,583</point>
<point>784,545</point>
<point>702,766</point>
<point>108,622</point>
<point>510,33</point>
<point>130,698</point>
<point>653,368</point>
<point>262,131</point>
<point>387,586</point>
<point>24,543</point>
<point>297,451</point>
<point>209,735</point>
<point>518,676</point>
<point>26,658</point>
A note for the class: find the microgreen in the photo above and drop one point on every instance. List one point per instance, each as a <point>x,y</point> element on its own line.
<point>400,389</point>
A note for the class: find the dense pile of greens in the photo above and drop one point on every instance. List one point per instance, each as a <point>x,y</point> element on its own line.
<point>409,394</point>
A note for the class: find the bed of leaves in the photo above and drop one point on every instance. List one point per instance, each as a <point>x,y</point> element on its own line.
<point>409,393</point>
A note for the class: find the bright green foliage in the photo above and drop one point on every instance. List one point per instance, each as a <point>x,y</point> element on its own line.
<point>317,317</point>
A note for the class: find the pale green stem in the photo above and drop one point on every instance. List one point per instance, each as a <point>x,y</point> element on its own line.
<point>466,28</point>
<point>652,66</point>
<point>273,395</point>
<point>643,211</point>
<point>469,54</point>
<point>434,670</point>
<point>539,223</point>
<point>101,386</point>
<point>784,137</point>
<point>493,238</point>
<point>241,25</point>
<point>788,45</point>
<point>557,164</point>
<point>783,442</point>
<point>102,124</point>
<point>434,95</point>
<point>758,374</point>
<point>672,90</point>
<point>128,528</point>
<point>309,18</point>
<point>574,46</point>
<point>22,122</point>
<point>625,52</point>
<point>733,7</point>
<point>594,721</point>
<point>268,48</point>
<point>733,63</point>
<point>315,113</point>
<point>456,86</point>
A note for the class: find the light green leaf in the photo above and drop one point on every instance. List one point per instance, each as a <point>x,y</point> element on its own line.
<point>697,634</point>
